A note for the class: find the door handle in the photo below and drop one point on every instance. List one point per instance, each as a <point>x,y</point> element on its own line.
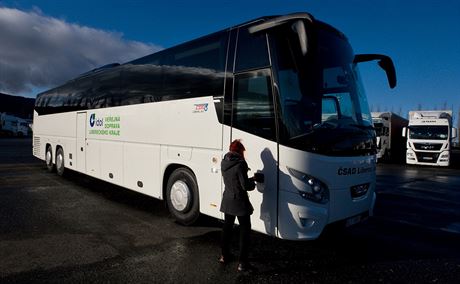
<point>259,177</point>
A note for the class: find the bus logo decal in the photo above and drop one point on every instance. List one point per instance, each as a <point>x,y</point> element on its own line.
<point>92,119</point>
<point>201,108</point>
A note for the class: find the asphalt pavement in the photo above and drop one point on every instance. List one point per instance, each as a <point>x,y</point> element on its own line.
<point>77,229</point>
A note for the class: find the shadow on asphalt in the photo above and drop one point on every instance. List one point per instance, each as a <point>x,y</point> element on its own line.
<point>131,198</point>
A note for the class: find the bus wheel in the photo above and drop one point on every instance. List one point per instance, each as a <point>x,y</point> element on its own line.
<point>182,196</point>
<point>60,161</point>
<point>49,159</point>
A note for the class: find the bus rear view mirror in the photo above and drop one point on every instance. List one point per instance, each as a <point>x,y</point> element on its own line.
<point>454,132</point>
<point>404,132</point>
<point>384,62</point>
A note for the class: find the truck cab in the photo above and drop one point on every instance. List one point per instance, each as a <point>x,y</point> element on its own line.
<point>429,137</point>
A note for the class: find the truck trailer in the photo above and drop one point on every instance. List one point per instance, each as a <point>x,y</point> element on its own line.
<point>390,144</point>
<point>429,137</point>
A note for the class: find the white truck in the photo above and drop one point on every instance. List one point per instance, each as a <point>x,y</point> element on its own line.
<point>429,137</point>
<point>13,126</point>
<point>390,144</point>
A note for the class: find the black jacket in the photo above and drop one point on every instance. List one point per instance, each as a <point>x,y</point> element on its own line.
<point>235,173</point>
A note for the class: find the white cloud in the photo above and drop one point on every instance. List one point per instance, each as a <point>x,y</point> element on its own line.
<point>39,52</point>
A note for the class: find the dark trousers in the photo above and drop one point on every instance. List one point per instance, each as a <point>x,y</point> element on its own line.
<point>245,232</point>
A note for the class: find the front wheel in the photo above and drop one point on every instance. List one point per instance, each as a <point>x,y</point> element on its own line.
<point>182,196</point>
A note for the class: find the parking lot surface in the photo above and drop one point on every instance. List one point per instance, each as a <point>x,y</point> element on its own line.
<point>77,229</point>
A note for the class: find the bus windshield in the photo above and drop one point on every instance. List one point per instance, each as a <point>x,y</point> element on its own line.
<point>323,104</point>
<point>429,132</point>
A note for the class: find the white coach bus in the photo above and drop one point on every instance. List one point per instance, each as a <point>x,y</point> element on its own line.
<point>288,86</point>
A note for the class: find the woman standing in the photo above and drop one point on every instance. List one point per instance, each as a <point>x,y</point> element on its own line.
<point>235,203</point>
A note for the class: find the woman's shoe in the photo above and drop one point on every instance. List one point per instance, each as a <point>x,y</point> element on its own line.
<point>245,267</point>
<point>226,259</point>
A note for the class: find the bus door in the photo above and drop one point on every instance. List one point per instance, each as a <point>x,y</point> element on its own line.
<point>253,121</point>
<point>249,115</point>
<point>81,142</point>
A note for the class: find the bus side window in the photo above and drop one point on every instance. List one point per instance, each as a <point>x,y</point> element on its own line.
<point>253,104</point>
<point>252,51</point>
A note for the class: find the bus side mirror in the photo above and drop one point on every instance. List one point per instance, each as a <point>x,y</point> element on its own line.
<point>384,62</point>
<point>404,132</point>
<point>454,132</point>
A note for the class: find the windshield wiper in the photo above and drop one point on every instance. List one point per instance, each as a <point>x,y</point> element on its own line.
<point>301,135</point>
<point>317,126</point>
<point>367,127</point>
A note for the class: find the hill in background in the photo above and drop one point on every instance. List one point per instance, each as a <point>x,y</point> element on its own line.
<point>18,106</point>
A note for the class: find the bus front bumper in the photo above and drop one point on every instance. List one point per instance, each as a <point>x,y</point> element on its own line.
<point>300,219</point>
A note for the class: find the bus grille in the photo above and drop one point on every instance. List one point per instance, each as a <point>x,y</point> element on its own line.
<point>36,149</point>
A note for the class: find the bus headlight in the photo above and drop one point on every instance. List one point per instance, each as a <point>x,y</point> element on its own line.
<point>316,190</point>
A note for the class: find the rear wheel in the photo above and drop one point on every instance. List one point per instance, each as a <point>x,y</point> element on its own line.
<point>182,196</point>
<point>60,161</point>
<point>49,159</point>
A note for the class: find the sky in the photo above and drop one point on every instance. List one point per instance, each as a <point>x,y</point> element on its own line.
<point>44,43</point>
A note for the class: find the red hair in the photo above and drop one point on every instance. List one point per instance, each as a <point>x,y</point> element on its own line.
<point>237,146</point>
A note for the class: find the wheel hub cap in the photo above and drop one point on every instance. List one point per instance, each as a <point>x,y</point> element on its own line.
<point>59,161</point>
<point>48,157</point>
<point>180,195</point>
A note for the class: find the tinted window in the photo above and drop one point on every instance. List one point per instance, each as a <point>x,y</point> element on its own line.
<point>208,52</point>
<point>252,51</point>
<point>253,104</point>
<point>193,69</point>
<point>142,83</point>
<point>196,69</point>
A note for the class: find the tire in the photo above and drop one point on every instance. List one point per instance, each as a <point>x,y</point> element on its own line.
<point>182,196</point>
<point>49,159</point>
<point>60,162</point>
